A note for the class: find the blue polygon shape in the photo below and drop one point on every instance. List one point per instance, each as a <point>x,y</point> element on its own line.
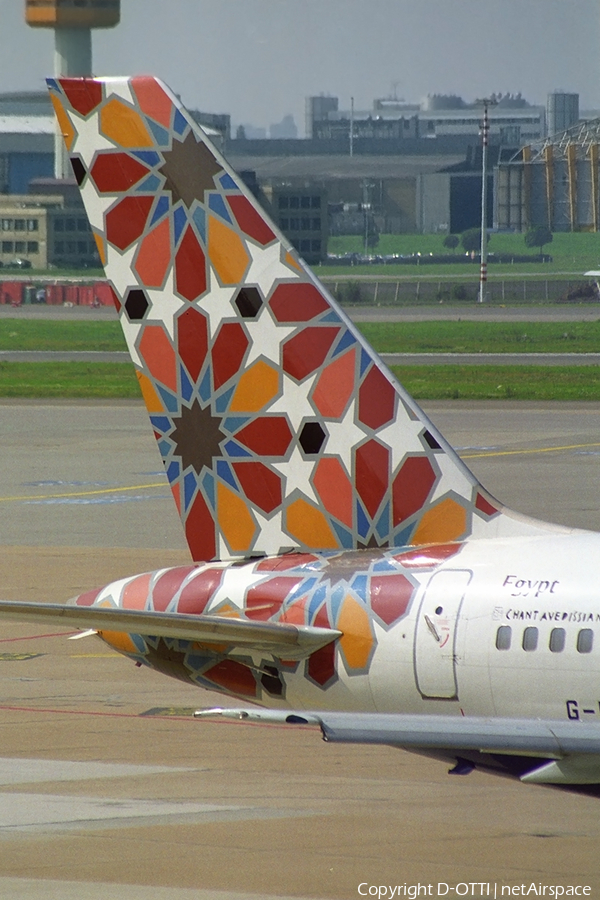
<point>362,522</point>
<point>149,186</point>
<point>303,588</point>
<point>208,483</point>
<point>179,222</point>
<point>189,488</point>
<point>150,157</point>
<point>160,134</point>
<point>161,423</point>
<point>165,448</point>
<point>344,536</point>
<point>199,217</point>
<point>217,205</point>
<point>224,472</point>
<point>382,526</point>
<point>365,359</point>
<point>222,402</point>
<point>314,605</point>
<point>402,538</point>
<point>173,472</point>
<point>346,340</point>
<point>233,423</point>
<point>331,317</point>
<point>337,595</point>
<point>233,449</point>
<point>179,122</point>
<point>52,83</point>
<point>205,387</point>
<point>187,388</point>
<point>228,183</point>
<point>359,586</point>
<point>169,400</point>
<point>384,565</point>
<point>160,209</point>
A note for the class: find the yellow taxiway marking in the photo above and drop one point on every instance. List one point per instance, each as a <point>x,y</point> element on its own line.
<point>114,490</point>
<point>531,450</point>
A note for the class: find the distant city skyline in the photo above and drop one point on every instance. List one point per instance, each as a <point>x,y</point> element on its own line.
<point>259,59</point>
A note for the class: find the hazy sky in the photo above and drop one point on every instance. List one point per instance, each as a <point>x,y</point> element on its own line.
<point>259,59</point>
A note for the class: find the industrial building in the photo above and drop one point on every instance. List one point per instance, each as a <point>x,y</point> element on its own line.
<point>554,182</point>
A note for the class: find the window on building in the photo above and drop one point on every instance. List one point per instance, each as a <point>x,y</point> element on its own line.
<point>285,224</point>
<point>32,225</point>
<point>59,247</point>
<point>585,640</point>
<point>70,225</point>
<point>82,247</point>
<point>294,224</point>
<point>305,246</point>
<point>305,223</point>
<point>315,202</point>
<point>8,247</point>
<point>7,225</point>
<point>59,224</point>
<point>503,637</point>
<point>92,248</point>
<point>284,202</point>
<point>33,247</point>
<point>557,640</point>
<point>316,225</point>
<point>20,246</point>
<point>19,224</point>
<point>315,246</point>
<point>82,225</point>
<point>294,202</point>
<point>305,202</point>
<point>71,247</point>
<point>530,639</point>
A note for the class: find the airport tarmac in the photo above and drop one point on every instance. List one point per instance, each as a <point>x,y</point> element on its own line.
<point>109,790</point>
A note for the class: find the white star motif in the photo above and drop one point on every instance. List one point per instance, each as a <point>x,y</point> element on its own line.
<point>164,305</point>
<point>95,204</point>
<point>131,331</point>
<point>88,139</point>
<point>294,400</point>
<point>216,303</point>
<point>266,337</point>
<point>120,88</point>
<point>266,266</point>
<point>452,479</point>
<point>343,437</point>
<point>119,267</point>
<point>234,584</point>
<point>402,437</point>
<point>272,537</point>
<point>297,472</point>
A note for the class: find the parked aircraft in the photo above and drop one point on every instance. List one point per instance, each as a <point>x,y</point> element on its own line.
<point>348,569</point>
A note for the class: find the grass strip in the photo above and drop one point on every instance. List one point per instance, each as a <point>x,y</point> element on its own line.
<point>500,382</point>
<point>386,337</point>
<point>29,334</point>
<point>69,380</point>
<point>111,381</point>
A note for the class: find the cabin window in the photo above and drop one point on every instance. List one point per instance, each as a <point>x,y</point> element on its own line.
<point>585,640</point>
<point>530,639</point>
<point>503,637</point>
<point>557,640</point>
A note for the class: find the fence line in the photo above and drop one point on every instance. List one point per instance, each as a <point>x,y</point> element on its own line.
<point>406,293</point>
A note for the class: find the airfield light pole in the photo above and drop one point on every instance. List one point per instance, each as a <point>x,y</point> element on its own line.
<point>487,102</point>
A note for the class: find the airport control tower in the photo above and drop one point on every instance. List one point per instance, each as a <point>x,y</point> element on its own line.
<point>72,21</point>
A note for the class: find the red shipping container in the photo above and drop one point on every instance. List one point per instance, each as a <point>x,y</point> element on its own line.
<point>103,294</point>
<point>71,294</point>
<point>12,292</point>
<point>54,294</point>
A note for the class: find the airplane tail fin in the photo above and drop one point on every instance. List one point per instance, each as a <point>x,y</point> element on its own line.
<point>280,429</point>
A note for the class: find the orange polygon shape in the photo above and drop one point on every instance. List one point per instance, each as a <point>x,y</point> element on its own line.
<point>227,252</point>
<point>235,520</point>
<point>64,123</point>
<point>255,388</point>
<point>334,489</point>
<point>335,385</point>
<point>151,399</point>
<point>152,99</point>
<point>101,247</point>
<point>154,255</point>
<point>158,354</point>
<point>121,124</point>
<point>356,642</point>
<point>309,526</point>
<point>447,521</point>
<point>118,641</point>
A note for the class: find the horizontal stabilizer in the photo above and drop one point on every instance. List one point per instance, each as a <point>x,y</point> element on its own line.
<point>288,641</point>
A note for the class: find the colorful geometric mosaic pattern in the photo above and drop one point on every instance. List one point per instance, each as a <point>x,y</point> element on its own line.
<point>279,428</point>
<point>355,593</point>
